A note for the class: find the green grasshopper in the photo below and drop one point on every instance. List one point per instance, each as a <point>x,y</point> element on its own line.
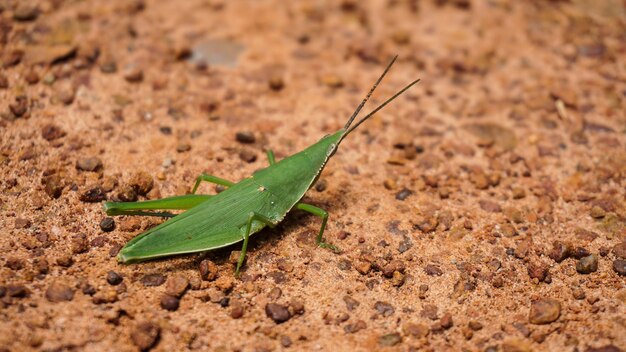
<point>243,208</point>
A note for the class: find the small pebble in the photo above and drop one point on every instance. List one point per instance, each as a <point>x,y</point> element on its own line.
<point>145,335</point>
<point>142,182</point>
<point>276,83</point>
<point>107,224</point>
<point>127,193</point>
<point>389,340</point>
<point>51,132</point>
<point>183,147</point>
<point>114,278</point>
<point>176,285</point>
<point>619,265</point>
<point>278,313</point>
<point>169,302</point>
<point>247,156</point>
<point>105,295</point>
<point>208,270</point>
<point>544,311</point>
<point>26,11</point>
<point>152,280</point>
<point>17,291</point>
<point>597,212</point>
<point>588,264</point>
<point>89,164</point>
<point>133,74</point>
<point>236,311</point>
<point>22,223</point>
<point>93,195</point>
<point>403,194</point>
<point>53,186</point>
<point>619,250</point>
<point>58,292</point>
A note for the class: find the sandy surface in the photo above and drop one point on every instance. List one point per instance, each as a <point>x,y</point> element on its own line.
<point>482,211</point>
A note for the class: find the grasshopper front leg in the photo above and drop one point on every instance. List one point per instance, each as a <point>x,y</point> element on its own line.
<point>244,248</point>
<point>322,214</point>
<point>212,179</point>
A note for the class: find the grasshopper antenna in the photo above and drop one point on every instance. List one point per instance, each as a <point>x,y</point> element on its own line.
<point>380,106</point>
<point>358,109</point>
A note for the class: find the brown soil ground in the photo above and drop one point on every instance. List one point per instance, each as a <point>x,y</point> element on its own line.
<point>484,210</point>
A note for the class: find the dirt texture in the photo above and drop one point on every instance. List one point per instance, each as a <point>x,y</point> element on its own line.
<point>484,210</point>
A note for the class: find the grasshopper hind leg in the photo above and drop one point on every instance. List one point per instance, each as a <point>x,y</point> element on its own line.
<point>324,215</point>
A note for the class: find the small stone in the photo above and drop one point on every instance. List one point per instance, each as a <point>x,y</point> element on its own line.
<point>247,156</point>
<point>225,283</point>
<point>332,81</point>
<point>356,327</point>
<point>433,270</point>
<point>597,212</point>
<point>426,223</point>
<point>208,270</point>
<point>106,295</point>
<point>544,311</point>
<point>619,250</point>
<point>245,137</point>
<point>383,308</point>
<point>296,306</point>
<point>398,279</point>
<point>80,244</point>
<point>277,312</point>
<point>31,77</point>
<point>183,147</point>
<point>152,280</point>
<point>489,206</point>
<point>14,263</point>
<point>619,265</point>
<point>26,11</point>
<point>351,303</point>
<point>53,186</point>
<point>22,223</point>
<point>236,311</point>
<point>66,94</point>
<point>176,285</point>
<point>58,292</point>
<point>518,193</point>
<point>389,340</point>
<point>403,194</point>
<point>133,74</point>
<point>142,182</point>
<point>588,264</point>
<point>65,260</point>
<point>93,195</point>
<point>446,321</point>
<point>474,325</point>
<point>17,291</point>
<point>114,278</point>
<point>418,330</point>
<point>285,341</point>
<point>107,224</point>
<point>578,292</point>
<point>560,251</point>
<point>20,106</point>
<point>89,164</point>
<point>276,83</point>
<point>51,132</point>
<point>127,193</point>
<point>145,335</point>
<point>169,302</point>
<point>363,267</point>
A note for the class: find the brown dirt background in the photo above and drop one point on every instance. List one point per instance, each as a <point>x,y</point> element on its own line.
<point>514,139</point>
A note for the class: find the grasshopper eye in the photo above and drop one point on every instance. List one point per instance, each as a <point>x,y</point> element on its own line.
<point>331,150</point>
